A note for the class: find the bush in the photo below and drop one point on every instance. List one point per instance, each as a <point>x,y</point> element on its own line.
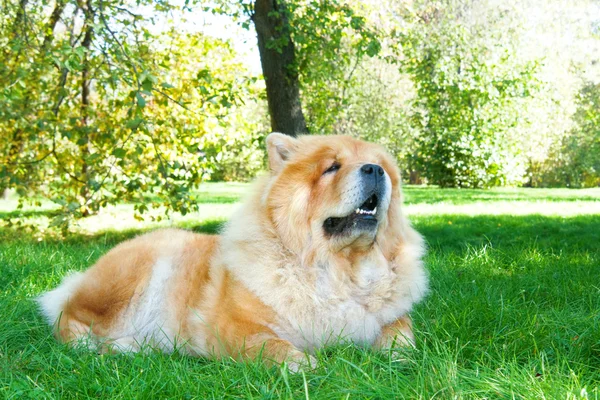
<point>577,162</point>
<point>469,97</point>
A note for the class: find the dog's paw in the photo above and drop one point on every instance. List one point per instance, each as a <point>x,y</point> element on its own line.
<point>124,345</point>
<point>398,355</point>
<point>298,361</point>
<point>397,347</point>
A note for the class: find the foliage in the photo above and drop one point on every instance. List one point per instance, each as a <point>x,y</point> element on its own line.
<point>347,87</point>
<point>578,160</point>
<point>461,92</point>
<point>374,111</point>
<point>234,150</point>
<point>584,145</point>
<point>330,39</point>
<point>469,99</point>
<point>103,108</point>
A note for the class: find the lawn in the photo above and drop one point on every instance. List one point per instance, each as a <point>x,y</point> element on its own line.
<point>513,312</point>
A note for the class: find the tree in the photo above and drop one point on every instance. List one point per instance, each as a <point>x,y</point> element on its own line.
<point>105,109</point>
<point>576,162</point>
<point>470,93</point>
<point>304,47</point>
<point>277,56</point>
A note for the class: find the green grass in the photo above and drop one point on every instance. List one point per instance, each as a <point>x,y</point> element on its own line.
<point>513,312</point>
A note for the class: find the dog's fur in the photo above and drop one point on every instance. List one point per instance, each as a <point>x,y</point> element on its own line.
<point>290,272</point>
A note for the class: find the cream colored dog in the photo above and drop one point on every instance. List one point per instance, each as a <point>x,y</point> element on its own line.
<point>320,253</point>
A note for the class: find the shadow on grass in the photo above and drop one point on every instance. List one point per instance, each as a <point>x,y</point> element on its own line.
<point>528,284</point>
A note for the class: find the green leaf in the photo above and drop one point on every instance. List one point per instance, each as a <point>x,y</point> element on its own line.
<point>140,100</point>
<point>134,123</point>
<point>119,153</point>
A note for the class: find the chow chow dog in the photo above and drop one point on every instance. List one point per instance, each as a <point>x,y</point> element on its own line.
<point>319,253</point>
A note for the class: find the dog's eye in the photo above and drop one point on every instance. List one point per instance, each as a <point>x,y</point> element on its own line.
<point>333,168</point>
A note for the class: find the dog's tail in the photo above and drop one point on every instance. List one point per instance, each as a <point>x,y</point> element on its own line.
<point>52,303</point>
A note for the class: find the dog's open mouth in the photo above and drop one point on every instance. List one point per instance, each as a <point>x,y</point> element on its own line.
<point>369,207</point>
<point>365,216</point>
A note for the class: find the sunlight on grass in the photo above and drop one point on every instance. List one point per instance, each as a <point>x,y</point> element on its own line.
<point>217,201</point>
<point>508,208</point>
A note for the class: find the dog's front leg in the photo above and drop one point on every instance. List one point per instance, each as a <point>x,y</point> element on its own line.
<point>397,334</point>
<point>275,351</point>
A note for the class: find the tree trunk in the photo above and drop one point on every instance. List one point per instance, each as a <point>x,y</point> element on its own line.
<point>279,69</point>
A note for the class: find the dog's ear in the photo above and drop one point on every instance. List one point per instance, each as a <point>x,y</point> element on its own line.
<point>279,148</point>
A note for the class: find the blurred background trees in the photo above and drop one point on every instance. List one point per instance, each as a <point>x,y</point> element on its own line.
<point>103,101</point>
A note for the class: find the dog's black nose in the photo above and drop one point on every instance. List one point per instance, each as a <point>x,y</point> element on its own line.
<point>370,169</point>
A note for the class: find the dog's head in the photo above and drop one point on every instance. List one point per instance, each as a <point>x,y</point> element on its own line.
<point>330,192</point>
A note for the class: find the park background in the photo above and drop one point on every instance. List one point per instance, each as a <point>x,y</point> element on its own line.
<point>118,116</point>
<point>141,101</point>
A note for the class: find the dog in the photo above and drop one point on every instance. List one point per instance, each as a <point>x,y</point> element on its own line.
<point>319,253</point>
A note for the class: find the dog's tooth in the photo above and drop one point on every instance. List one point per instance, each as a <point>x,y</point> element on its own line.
<point>375,210</point>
